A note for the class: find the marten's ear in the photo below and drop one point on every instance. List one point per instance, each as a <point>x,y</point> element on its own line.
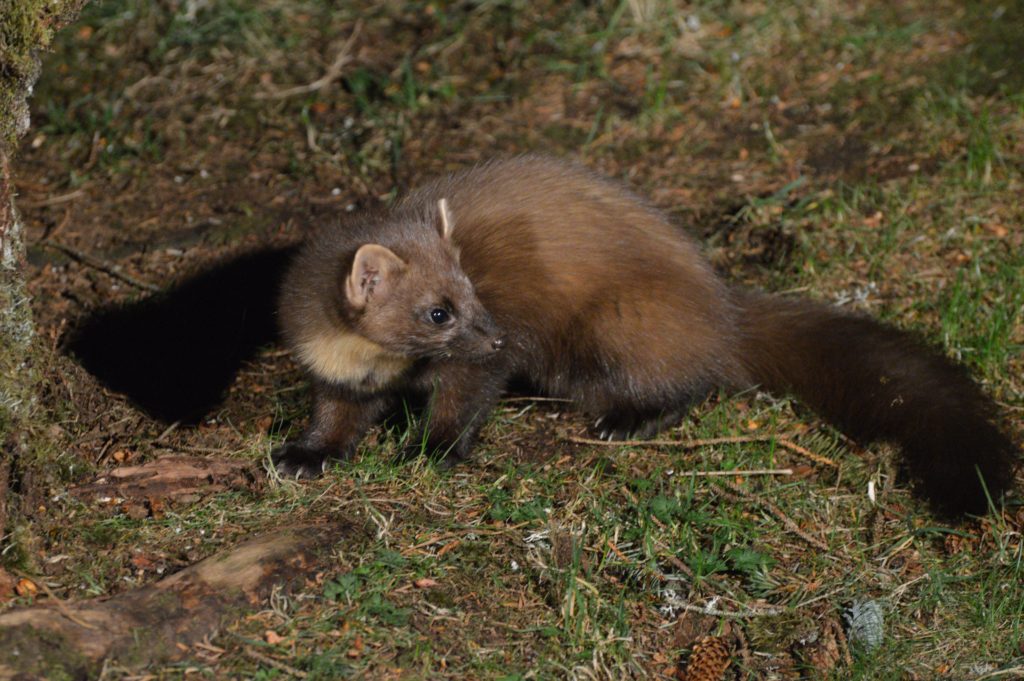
<point>373,273</point>
<point>446,219</point>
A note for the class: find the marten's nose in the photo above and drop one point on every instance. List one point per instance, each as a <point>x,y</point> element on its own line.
<point>498,343</point>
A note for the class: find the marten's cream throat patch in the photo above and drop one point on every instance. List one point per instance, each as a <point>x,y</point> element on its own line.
<point>351,359</point>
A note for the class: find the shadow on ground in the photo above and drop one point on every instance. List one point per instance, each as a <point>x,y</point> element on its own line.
<point>175,353</point>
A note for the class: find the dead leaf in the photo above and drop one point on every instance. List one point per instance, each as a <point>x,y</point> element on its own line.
<point>425,583</point>
<point>135,510</point>
<point>875,221</point>
<point>156,507</point>
<point>272,637</point>
<point>26,587</point>
<point>802,471</point>
<point>998,231</point>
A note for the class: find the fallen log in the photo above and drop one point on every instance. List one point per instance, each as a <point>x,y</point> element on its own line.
<point>158,623</point>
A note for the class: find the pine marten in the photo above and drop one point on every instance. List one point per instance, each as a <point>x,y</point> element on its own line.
<point>534,268</point>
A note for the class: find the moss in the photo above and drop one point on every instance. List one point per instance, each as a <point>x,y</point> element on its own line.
<point>26,27</point>
<point>38,653</point>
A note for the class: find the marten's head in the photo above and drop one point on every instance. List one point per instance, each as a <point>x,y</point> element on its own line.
<point>359,312</point>
<point>422,304</point>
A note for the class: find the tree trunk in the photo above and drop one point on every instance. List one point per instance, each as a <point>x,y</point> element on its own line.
<point>159,622</point>
<point>27,27</point>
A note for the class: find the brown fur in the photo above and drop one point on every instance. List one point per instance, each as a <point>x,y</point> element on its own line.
<point>568,280</point>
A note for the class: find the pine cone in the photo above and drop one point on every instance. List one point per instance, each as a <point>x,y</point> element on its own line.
<point>708,661</point>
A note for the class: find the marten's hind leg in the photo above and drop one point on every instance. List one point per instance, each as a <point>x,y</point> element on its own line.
<point>632,424</point>
<point>622,417</point>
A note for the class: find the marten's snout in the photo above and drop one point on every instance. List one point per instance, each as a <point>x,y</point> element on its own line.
<point>487,335</point>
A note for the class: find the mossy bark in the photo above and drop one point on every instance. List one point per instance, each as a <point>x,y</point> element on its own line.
<point>26,28</point>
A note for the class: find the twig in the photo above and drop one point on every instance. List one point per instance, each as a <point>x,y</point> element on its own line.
<point>167,431</point>
<point>132,90</point>
<point>684,444</point>
<point>61,605</point>
<point>277,664</point>
<point>751,472</point>
<point>803,451</point>
<point>1008,671</point>
<point>782,441</point>
<point>52,200</point>
<point>737,491</point>
<point>97,264</point>
<point>50,231</point>
<point>202,450</point>
<point>333,73</point>
<point>746,613</point>
<point>626,559</point>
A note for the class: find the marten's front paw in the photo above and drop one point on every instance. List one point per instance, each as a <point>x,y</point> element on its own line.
<point>293,460</point>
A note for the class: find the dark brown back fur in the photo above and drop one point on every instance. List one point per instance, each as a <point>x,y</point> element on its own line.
<point>601,297</point>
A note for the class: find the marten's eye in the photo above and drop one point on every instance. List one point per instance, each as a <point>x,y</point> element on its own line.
<point>439,315</point>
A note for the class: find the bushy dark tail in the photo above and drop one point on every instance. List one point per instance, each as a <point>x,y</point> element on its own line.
<point>877,383</point>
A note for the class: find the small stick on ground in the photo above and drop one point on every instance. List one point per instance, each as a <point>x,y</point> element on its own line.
<point>59,602</point>
<point>52,200</point>
<point>97,264</point>
<point>684,444</point>
<point>806,453</point>
<point>276,664</point>
<point>743,473</point>
<point>782,441</point>
<point>333,73</point>
<point>745,613</point>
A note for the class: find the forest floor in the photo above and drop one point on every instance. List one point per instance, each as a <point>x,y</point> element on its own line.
<point>869,154</point>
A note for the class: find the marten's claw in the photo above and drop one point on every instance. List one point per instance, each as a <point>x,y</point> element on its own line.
<point>297,461</point>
